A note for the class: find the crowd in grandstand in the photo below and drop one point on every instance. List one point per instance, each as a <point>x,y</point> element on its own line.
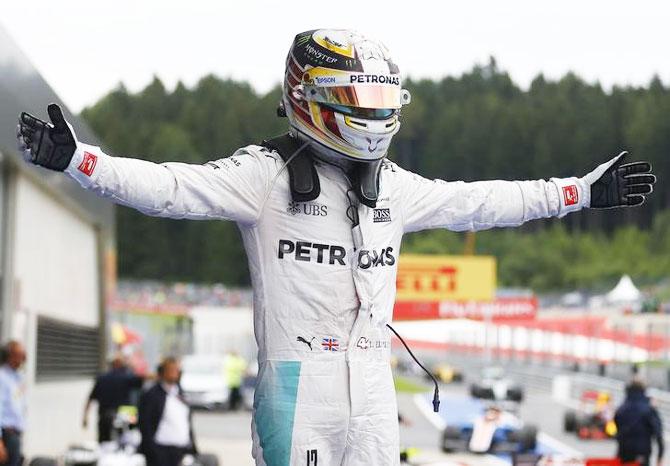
<point>152,294</point>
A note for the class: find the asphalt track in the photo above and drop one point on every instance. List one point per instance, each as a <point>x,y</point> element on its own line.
<point>538,408</point>
<point>228,434</point>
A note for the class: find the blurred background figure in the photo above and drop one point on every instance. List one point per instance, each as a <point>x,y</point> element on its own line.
<point>235,368</point>
<point>638,424</point>
<point>165,419</point>
<point>203,381</point>
<point>12,404</point>
<point>112,389</point>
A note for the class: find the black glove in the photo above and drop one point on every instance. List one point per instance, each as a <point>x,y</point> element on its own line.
<point>617,185</point>
<point>50,145</point>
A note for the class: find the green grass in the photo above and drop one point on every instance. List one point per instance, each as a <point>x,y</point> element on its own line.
<point>406,385</point>
<point>655,363</point>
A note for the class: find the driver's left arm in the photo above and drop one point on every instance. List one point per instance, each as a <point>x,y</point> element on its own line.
<point>461,206</point>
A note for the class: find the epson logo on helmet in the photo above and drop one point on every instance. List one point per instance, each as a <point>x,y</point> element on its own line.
<point>324,79</point>
<point>374,79</point>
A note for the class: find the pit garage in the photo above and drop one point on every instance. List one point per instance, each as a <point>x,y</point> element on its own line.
<point>56,268</point>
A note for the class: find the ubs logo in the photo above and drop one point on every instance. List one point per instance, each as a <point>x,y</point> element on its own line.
<point>307,208</point>
<point>381,215</point>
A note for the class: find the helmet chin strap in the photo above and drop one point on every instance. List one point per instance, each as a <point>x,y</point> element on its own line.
<point>362,175</point>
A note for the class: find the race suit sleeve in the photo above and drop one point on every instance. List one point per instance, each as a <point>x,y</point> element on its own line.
<point>461,206</point>
<point>231,188</point>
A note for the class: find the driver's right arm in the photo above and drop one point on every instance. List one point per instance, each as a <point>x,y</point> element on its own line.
<point>232,188</point>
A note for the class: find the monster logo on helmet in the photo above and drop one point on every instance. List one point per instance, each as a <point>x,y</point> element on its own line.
<point>342,93</point>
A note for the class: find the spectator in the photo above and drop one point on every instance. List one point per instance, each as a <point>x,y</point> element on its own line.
<point>165,419</point>
<point>638,423</point>
<point>111,390</point>
<point>12,404</point>
<point>234,367</point>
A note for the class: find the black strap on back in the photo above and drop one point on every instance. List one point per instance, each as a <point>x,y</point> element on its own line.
<point>303,179</point>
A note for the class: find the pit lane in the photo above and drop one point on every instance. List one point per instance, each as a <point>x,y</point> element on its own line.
<point>538,408</point>
<point>228,434</point>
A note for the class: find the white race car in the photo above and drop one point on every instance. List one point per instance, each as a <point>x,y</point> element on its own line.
<point>493,430</point>
<point>494,385</point>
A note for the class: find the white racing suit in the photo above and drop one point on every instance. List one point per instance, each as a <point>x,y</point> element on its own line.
<point>325,393</point>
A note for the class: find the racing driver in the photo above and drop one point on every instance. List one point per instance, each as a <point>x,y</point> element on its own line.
<point>322,212</point>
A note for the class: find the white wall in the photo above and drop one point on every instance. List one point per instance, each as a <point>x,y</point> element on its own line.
<point>56,274</point>
<point>55,259</point>
<point>54,417</point>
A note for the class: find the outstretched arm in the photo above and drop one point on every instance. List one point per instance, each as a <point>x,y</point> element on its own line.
<point>231,188</point>
<point>480,205</point>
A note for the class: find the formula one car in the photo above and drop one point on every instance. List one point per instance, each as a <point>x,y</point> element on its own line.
<point>495,386</point>
<point>446,373</point>
<point>595,417</point>
<point>493,430</point>
<point>122,451</point>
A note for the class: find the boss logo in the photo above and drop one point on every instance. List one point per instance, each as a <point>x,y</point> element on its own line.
<point>381,215</point>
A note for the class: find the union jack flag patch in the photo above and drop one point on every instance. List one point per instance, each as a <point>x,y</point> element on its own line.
<point>330,344</point>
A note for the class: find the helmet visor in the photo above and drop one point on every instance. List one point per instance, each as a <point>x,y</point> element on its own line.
<point>364,96</point>
<point>364,113</point>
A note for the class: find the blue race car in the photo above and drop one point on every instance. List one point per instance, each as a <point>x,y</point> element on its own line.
<point>488,429</point>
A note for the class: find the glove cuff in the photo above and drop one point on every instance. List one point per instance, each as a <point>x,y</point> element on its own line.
<point>85,164</point>
<point>573,194</point>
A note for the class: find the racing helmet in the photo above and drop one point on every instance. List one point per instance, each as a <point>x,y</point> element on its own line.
<point>343,94</point>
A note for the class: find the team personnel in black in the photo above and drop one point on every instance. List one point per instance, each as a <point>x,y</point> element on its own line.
<point>165,419</point>
<point>111,390</point>
<point>638,424</point>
